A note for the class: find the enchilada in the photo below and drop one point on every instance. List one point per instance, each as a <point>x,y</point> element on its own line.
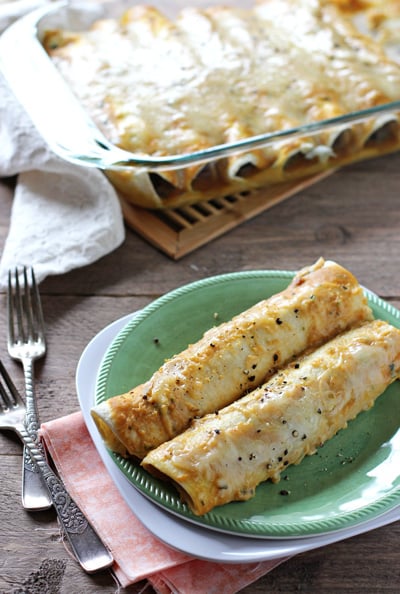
<point>224,456</point>
<point>162,87</point>
<point>233,358</point>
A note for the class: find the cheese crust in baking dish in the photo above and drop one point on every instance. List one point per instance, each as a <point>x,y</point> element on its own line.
<point>223,457</point>
<point>233,358</point>
<point>158,87</point>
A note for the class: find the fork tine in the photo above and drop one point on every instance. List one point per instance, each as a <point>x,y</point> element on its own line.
<point>4,399</point>
<point>15,308</point>
<point>10,309</point>
<point>27,306</point>
<point>12,397</point>
<point>36,307</point>
<point>25,314</point>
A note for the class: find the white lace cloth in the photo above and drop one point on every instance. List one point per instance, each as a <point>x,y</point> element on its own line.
<point>63,216</point>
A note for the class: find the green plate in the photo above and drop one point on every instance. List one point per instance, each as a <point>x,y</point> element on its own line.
<point>353,478</point>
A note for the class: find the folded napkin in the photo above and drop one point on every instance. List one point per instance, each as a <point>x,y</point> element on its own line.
<point>63,216</point>
<point>137,553</point>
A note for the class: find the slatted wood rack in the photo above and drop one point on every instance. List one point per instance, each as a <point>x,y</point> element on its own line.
<point>181,230</point>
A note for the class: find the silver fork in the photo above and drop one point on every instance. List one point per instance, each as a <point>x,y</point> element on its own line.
<point>26,342</point>
<point>85,543</point>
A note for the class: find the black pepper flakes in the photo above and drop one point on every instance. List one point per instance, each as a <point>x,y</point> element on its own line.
<point>284,492</point>
<point>278,321</point>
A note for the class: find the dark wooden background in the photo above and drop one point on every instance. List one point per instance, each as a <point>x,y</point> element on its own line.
<point>352,217</point>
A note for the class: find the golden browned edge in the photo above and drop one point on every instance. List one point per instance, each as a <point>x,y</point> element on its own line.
<point>126,181</point>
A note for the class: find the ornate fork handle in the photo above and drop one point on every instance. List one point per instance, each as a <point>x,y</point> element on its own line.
<point>30,402</point>
<point>31,419</point>
<point>34,496</point>
<point>26,343</point>
<point>86,544</point>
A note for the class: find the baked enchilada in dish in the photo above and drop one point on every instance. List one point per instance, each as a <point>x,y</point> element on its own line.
<point>233,358</point>
<point>163,86</point>
<point>224,456</point>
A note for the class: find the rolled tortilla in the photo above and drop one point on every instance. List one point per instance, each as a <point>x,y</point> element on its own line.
<point>162,86</point>
<point>224,456</point>
<point>334,57</point>
<point>233,358</point>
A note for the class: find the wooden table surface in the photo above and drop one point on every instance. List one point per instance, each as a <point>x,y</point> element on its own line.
<point>352,217</point>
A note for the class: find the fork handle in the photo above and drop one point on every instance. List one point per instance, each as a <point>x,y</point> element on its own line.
<point>35,495</point>
<point>89,550</point>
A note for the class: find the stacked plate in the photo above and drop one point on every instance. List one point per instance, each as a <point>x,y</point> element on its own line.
<point>351,486</point>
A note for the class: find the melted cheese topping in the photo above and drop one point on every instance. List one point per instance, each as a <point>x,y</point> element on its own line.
<point>223,457</point>
<point>161,87</point>
<point>233,358</point>
<point>379,18</point>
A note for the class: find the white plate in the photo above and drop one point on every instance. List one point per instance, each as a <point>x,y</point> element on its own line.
<point>180,534</point>
<point>325,495</point>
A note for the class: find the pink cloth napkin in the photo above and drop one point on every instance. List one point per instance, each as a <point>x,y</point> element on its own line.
<point>137,553</point>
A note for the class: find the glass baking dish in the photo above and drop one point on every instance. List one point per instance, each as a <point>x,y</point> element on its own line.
<point>241,162</point>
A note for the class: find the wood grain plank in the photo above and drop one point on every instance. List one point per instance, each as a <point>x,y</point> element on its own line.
<point>352,217</point>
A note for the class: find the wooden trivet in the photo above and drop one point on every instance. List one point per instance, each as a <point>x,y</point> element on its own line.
<point>181,230</point>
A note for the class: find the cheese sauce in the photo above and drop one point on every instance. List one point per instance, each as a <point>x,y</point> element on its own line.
<point>161,87</point>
